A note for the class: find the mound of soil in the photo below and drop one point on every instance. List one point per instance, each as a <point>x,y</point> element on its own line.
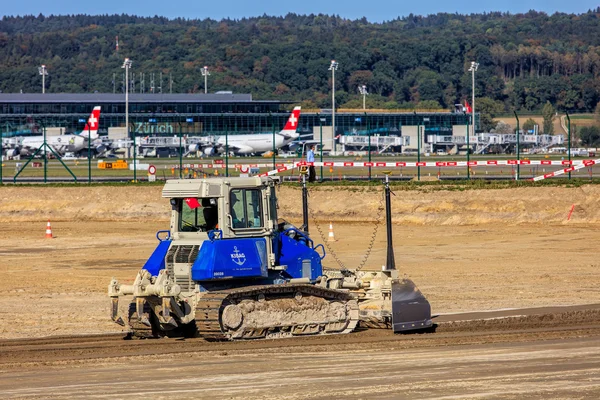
<point>541,205</point>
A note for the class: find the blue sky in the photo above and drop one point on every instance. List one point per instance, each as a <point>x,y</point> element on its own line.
<point>374,10</point>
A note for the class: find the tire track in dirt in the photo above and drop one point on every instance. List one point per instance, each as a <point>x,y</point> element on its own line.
<point>546,323</point>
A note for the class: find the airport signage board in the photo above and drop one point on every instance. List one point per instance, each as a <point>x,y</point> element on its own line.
<point>148,127</point>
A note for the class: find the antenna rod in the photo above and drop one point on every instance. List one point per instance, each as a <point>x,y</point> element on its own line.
<point>304,204</point>
<point>391,262</point>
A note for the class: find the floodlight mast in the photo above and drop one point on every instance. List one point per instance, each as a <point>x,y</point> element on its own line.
<point>333,67</point>
<point>363,90</point>
<point>43,72</point>
<point>472,69</point>
<point>205,74</point>
<point>127,64</point>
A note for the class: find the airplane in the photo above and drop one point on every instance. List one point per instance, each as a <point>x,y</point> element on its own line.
<point>62,144</point>
<point>256,142</point>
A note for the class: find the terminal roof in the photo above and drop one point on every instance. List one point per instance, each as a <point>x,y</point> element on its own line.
<point>133,98</point>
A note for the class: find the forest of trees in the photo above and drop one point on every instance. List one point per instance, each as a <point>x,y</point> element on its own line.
<point>525,60</point>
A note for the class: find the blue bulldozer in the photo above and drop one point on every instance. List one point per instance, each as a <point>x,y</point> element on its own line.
<point>229,268</point>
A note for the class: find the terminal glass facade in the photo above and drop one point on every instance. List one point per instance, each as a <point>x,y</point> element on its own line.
<point>165,115</point>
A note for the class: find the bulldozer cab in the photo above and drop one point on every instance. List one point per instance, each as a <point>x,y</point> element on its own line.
<point>234,207</point>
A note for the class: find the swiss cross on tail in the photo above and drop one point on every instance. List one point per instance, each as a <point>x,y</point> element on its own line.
<point>292,122</point>
<point>468,108</point>
<point>92,124</point>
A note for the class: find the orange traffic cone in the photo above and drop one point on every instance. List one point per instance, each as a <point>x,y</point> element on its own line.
<point>48,231</point>
<point>331,237</point>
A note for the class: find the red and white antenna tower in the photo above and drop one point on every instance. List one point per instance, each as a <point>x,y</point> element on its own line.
<point>117,39</point>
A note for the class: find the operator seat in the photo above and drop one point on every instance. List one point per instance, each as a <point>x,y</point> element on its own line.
<point>211,214</point>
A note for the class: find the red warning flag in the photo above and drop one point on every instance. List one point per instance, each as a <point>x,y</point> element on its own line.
<point>192,202</point>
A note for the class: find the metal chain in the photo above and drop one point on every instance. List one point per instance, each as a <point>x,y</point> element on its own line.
<point>369,247</point>
<point>374,235</point>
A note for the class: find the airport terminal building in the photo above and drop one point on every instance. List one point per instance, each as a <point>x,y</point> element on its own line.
<point>215,114</point>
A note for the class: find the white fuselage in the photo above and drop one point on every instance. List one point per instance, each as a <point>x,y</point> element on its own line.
<point>255,143</point>
<point>60,143</point>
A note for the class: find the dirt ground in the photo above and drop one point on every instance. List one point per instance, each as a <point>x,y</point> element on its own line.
<point>467,251</point>
<point>529,366</point>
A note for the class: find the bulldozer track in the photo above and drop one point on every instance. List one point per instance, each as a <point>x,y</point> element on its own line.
<point>210,308</point>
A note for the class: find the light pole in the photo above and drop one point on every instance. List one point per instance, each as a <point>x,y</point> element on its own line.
<point>127,64</point>
<point>368,133</point>
<point>419,151</point>
<point>321,120</point>
<point>569,132</point>
<point>273,131</point>
<point>227,147</point>
<point>518,149</point>
<point>181,148</point>
<point>205,74</point>
<point>468,153</point>
<point>1,159</point>
<point>90,153</point>
<point>333,67</point>
<point>363,90</point>
<point>43,72</point>
<point>45,156</point>
<point>472,69</point>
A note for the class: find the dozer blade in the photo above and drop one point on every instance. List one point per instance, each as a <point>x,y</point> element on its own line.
<point>410,309</point>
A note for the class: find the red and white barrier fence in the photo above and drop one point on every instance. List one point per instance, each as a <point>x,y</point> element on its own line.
<point>278,170</point>
<point>235,166</point>
<point>438,163</point>
<point>583,164</point>
<point>573,165</point>
<point>395,164</point>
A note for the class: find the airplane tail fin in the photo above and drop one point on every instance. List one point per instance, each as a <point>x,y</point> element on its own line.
<point>289,130</point>
<point>468,108</point>
<point>91,126</point>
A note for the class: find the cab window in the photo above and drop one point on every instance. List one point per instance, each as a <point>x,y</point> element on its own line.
<point>273,206</point>
<point>198,215</point>
<point>246,208</point>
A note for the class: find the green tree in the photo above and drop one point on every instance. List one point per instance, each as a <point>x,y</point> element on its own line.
<point>549,113</point>
<point>597,113</point>
<point>503,127</point>
<point>529,125</point>
<point>526,60</point>
<point>590,136</point>
<point>429,105</point>
<point>488,109</point>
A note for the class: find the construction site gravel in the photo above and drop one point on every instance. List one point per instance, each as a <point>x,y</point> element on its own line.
<point>513,282</point>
